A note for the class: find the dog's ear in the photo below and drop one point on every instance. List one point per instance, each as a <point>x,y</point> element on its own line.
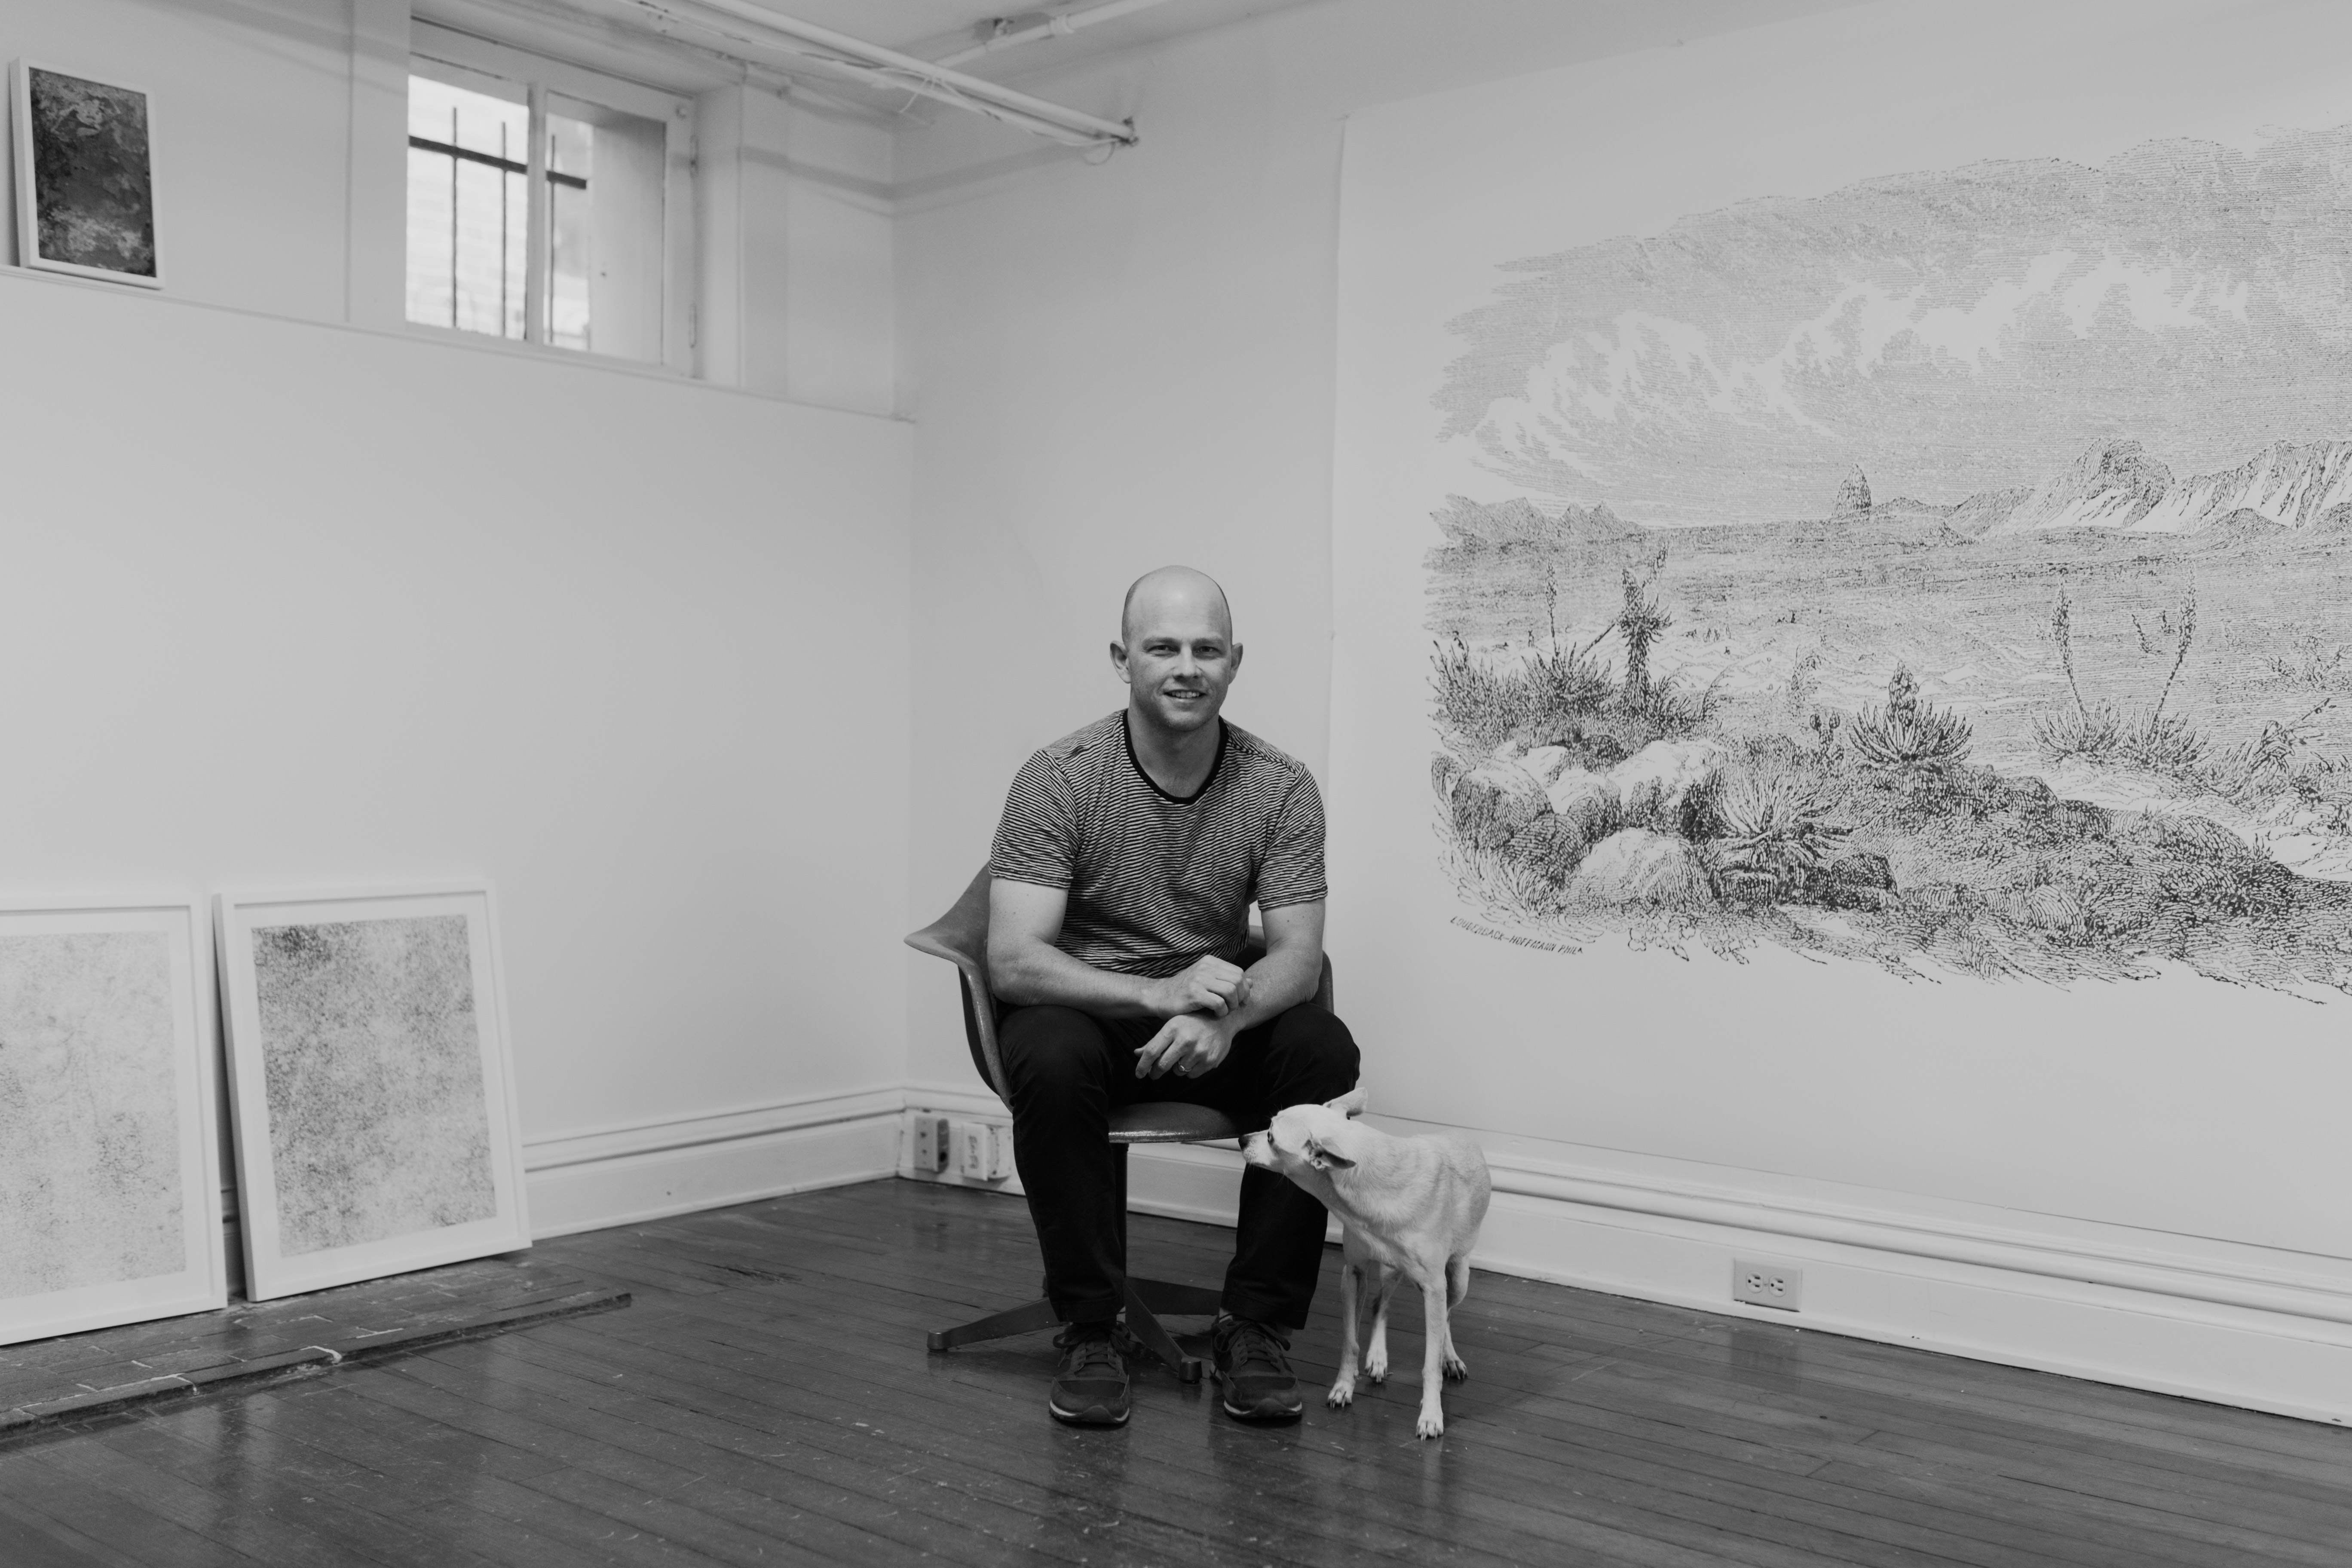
<point>1348,1104</point>
<point>1323,1157</point>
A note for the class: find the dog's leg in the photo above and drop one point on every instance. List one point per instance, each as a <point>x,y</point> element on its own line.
<point>1457,1286</point>
<point>1437,1346</point>
<point>1343,1387</point>
<point>1376,1355</point>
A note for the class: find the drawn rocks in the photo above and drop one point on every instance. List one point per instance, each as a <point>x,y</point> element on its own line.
<point>1641,867</point>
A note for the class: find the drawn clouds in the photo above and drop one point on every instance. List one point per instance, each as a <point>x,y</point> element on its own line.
<point>1939,327</point>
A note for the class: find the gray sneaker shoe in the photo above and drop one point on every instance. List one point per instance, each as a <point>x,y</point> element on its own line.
<point>1090,1386</point>
<point>1254,1365</point>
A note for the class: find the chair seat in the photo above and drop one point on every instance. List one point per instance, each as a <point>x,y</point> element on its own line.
<point>1170,1122</point>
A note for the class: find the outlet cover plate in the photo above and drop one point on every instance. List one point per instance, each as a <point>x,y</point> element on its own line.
<point>1774,1285</point>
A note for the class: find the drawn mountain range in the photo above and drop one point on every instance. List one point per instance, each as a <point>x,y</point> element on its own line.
<point>2116,485</point>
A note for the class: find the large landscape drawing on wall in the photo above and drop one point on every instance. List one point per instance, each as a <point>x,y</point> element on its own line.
<point>1952,573</point>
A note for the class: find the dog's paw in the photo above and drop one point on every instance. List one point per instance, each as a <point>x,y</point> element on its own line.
<point>1342,1395</point>
<point>1457,1369</point>
<point>1375,1368</point>
<point>1431,1423</point>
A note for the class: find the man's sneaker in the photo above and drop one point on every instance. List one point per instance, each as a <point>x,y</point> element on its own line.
<point>1090,1386</point>
<point>1254,1365</point>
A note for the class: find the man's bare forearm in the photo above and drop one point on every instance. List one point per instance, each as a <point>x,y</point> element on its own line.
<point>1277,982</point>
<point>1039,975</point>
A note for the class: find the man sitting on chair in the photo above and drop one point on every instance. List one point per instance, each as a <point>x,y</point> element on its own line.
<point>1123,872</point>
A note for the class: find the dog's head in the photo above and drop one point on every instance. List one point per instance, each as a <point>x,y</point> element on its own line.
<point>1305,1138</point>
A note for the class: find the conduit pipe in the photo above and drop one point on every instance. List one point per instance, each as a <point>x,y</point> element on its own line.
<point>843,59</point>
<point>1060,27</point>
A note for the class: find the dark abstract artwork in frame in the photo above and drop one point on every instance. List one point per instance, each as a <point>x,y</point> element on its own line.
<point>85,177</point>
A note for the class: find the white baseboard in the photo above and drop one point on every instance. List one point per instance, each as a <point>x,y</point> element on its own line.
<point>624,1174</point>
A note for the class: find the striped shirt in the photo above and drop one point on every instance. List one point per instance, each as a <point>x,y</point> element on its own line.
<point>1154,881</point>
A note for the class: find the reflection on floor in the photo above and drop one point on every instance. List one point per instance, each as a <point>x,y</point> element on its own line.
<point>768,1399</point>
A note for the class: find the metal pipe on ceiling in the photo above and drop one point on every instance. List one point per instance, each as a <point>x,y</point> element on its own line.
<point>1059,26</point>
<point>804,46</point>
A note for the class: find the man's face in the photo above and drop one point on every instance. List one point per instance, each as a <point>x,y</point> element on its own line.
<point>1178,658</point>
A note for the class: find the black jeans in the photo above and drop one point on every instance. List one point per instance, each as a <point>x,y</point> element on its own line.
<point>1069,1070</point>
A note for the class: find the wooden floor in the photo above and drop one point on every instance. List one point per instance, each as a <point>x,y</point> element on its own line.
<point>768,1400</point>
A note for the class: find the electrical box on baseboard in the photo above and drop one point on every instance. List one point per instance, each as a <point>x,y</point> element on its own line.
<point>930,1150</point>
<point>983,1151</point>
<point>1767,1284</point>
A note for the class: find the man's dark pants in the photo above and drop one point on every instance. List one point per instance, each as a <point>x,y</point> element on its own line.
<point>1069,1070</point>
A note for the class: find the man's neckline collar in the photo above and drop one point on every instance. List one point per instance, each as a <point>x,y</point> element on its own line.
<point>1216,763</point>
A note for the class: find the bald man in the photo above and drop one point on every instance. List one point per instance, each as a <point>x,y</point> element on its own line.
<point>1124,869</point>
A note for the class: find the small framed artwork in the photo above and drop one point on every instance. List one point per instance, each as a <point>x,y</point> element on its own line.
<point>371,1084</point>
<point>109,1166</point>
<point>85,176</point>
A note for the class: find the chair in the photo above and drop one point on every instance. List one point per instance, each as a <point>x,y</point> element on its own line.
<point>960,936</point>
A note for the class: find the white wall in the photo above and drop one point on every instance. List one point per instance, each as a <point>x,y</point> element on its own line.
<point>291,606</point>
<point>1113,367</point>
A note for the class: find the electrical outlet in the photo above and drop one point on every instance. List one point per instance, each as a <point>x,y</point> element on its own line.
<point>999,1152</point>
<point>971,1141</point>
<point>1768,1284</point>
<point>932,1149</point>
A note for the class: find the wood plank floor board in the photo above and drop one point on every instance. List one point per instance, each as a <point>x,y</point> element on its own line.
<point>255,1522</point>
<point>2158,1493</point>
<point>34,1484</point>
<point>1471,1386</point>
<point>972,1420</point>
<point>1078,1533</point>
<point>718,1421</point>
<point>639,1459</point>
<point>1663,1524</point>
<point>949,1452</point>
<point>2143,1533</point>
<point>33,1540</point>
<point>274,1471</point>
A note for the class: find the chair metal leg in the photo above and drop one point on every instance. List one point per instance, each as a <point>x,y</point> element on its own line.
<point>1153,1334</point>
<point>1001,1325</point>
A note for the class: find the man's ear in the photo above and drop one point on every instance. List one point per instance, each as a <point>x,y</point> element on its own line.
<point>1348,1104</point>
<point>1325,1158</point>
<point>1118,659</point>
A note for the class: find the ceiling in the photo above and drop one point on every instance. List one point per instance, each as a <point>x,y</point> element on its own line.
<point>933,28</point>
<point>611,35</point>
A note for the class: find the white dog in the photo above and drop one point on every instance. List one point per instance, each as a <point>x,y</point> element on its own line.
<point>1406,1205</point>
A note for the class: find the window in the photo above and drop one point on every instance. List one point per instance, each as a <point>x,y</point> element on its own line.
<point>542,217</point>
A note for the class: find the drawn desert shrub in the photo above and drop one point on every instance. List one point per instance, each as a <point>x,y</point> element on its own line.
<point>1773,834</point>
<point>1907,733</point>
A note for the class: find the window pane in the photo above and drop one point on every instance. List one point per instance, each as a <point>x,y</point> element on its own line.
<point>571,254</point>
<point>467,208</point>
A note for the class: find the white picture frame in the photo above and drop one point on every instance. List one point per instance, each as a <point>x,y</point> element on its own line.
<point>30,190</point>
<point>370,1083</point>
<point>110,1149</point>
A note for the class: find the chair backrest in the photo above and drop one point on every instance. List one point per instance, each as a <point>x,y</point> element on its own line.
<point>960,936</point>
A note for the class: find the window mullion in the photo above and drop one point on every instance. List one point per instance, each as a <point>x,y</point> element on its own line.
<point>536,244</point>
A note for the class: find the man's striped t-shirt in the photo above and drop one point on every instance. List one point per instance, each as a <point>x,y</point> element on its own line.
<point>1154,881</point>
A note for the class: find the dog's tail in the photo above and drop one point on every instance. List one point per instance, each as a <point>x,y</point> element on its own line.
<point>1458,1281</point>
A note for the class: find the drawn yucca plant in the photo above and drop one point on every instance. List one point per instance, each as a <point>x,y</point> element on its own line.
<point>1907,733</point>
<point>1774,832</point>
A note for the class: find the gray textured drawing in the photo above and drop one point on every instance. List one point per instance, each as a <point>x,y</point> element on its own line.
<point>1953,572</point>
<point>90,1126</point>
<point>379,1125</point>
<point>93,192</point>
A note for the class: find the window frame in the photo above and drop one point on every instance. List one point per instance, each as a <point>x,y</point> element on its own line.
<point>552,85</point>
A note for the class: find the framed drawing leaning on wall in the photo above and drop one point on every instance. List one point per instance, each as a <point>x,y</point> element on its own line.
<point>85,176</point>
<point>371,1084</point>
<point>109,1163</point>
